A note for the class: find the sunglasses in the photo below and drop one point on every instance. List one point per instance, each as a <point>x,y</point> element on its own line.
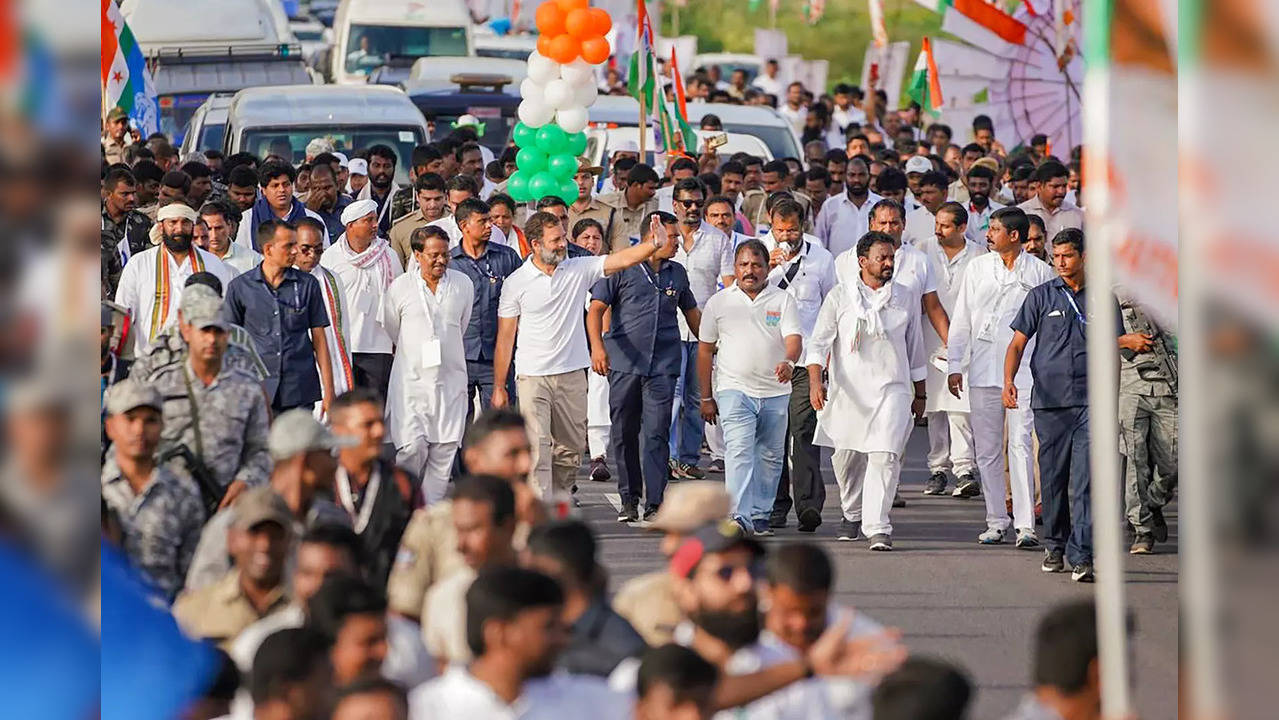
<point>691,203</point>
<point>755,569</point>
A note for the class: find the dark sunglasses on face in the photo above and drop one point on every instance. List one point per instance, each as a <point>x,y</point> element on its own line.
<point>755,569</point>
<point>691,203</point>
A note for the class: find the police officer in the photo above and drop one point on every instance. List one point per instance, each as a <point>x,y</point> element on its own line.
<point>641,358</point>
<point>622,213</point>
<point>1148,421</point>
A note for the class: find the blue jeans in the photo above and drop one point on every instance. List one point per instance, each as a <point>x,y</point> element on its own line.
<point>686,415</point>
<point>1065,481</point>
<point>754,438</point>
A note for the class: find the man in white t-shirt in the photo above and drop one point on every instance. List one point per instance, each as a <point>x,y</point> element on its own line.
<point>544,299</point>
<point>756,329</point>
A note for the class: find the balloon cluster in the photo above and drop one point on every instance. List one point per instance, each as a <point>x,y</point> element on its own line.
<point>559,88</point>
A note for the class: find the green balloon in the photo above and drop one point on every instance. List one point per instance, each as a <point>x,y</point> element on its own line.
<point>568,191</point>
<point>530,160</point>
<point>517,186</point>
<point>576,143</point>
<point>562,166</point>
<point>524,135</point>
<point>551,139</point>
<point>543,184</point>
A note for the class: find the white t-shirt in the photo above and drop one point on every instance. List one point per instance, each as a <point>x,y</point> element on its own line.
<point>552,332</point>
<point>750,336</point>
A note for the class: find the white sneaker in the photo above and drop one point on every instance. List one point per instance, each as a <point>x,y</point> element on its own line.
<point>992,536</point>
<point>1026,539</point>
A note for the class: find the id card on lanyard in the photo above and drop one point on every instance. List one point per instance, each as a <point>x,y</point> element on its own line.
<point>431,354</point>
<point>1083,320</point>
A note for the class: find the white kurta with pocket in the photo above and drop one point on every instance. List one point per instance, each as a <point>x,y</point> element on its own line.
<point>870,392</point>
<point>427,394</point>
<point>949,275</point>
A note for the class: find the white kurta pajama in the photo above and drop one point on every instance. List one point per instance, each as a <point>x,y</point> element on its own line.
<point>950,435</point>
<point>152,291</point>
<point>336,334</point>
<point>867,417</point>
<point>980,331</point>
<point>426,404</point>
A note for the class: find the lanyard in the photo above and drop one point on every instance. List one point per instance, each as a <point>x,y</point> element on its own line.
<point>1078,315</point>
<point>347,498</point>
<point>648,275</point>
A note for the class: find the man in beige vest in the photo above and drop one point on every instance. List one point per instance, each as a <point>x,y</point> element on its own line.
<point>620,213</point>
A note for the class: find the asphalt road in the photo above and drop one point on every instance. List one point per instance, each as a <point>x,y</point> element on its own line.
<point>952,598</point>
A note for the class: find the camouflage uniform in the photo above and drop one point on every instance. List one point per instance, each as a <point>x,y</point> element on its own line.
<point>233,422</point>
<point>170,349</point>
<point>161,525</point>
<point>1148,422</point>
<point>134,227</point>
<point>403,202</point>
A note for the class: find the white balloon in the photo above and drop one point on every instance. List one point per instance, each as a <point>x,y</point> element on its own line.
<point>531,89</point>
<point>559,94</point>
<point>571,119</point>
<point>578,73</point>
<point>534,112</point>
<point>542,69</point>
<point>585,95</point>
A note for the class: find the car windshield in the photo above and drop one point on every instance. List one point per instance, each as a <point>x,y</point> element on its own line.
<point>308,34</point>
<point>176,112</point>
<point>497,127</point>
<point>503,52</point>
<point>211,136</point>
<point>780,141</point>
<point>371,46</point>
<point>346,139</point>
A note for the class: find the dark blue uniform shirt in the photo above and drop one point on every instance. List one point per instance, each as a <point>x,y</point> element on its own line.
<point>1056,316</point>
<point>644,336</point>
<point>280,321</point>
<point>487,273</point>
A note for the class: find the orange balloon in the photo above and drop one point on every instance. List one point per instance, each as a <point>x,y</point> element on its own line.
<point>601,23</point>
<point>578,24</point>
<point>596,50</point>
<point>544,45</point>
<point>569,6</point>
<point>550,19</point>
<point>565,49</point>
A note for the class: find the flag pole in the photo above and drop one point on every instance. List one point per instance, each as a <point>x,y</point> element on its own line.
<point>643,125</point>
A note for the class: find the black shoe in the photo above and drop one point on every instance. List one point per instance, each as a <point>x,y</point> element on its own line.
<point>881,543</point>
<point>966,487</point>
<point>1054,562</point>
<point>777,522</point>
<point>1082,573</point>
<point>809,519</point>
<point>1142,544</point>
<point>599,471</point>
<point>649,514</point>
<point>849,530</point>
<point>898,501</point>
<point>1160,525</point>
<point>629,513</point>
<point>936,484</point>
<point>761,527</point>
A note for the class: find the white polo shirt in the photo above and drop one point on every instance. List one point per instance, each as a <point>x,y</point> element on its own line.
<point>840,223</point>
<point>750,337</point>
<point>552,334</point>
<point>920,225</point>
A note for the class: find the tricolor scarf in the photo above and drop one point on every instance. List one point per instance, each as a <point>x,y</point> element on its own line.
<point>377,254</point>
<point>334,303</point>
<point>261,212</point>
<point>163,288</point>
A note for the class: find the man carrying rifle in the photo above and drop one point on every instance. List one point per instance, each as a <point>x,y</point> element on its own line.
<point>215,416</point>
<point>1148,421</point>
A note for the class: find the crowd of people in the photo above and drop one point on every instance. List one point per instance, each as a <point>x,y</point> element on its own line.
<point>344,421</point>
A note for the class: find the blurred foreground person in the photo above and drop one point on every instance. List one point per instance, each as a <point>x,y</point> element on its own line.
<point>371,699</point>
<point>292,678</point>
<point>923,689</point>
<point>675,683</point>
<point>1067,675</point>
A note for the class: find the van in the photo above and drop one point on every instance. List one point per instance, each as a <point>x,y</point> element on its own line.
<point>282,120</point>
<point>207,129</point>
<point>764,123</point>
<point>371,33</point>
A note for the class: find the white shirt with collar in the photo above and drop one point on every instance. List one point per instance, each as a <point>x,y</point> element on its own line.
<point>949,274</point>
<point>558,696</point>
<point>840,224</point>
<point>707,262</point>
<point>750,335</point>
<point>979,220</point>
<point>552,334</point>
<point>242,259</point>
<point>844,118</point>
<point>139,285</point>
<point>810,283</point>
<point>797,116</point>
<point>988,300</point>
<point>920,225</point>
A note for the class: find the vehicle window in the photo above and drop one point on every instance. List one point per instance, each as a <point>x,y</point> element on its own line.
<point>309,35</point>
<point>176,112</point>
<point>508,53</point>
<point>780,141</point>
<point>496,129</point>
<point>346,139</point>
<point>371,46</point>
<point>211,137</point>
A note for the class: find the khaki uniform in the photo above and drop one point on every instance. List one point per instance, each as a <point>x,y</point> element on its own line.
<point>221,611</point>
<point>753,208</point>
<point>113,150</point>
<point>428,553</point>
<point>401,230</point>
<point>648,603</point>
<point>575,215</point>
<point>620,222</point>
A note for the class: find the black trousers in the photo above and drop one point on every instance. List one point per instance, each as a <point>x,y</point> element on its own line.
<point>640,410</point>
<point>801,484</point>
<point>372,371</point>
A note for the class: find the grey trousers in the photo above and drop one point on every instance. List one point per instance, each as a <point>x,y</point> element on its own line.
<point>1149,428</point>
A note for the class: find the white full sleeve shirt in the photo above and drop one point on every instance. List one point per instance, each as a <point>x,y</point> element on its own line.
<point>137,289</point>
<point>809,284</point>
<point>707,261</point>
<point>949,274</point>
<point>365,294</point>
<point>985,306</point>
<point>840,223</point>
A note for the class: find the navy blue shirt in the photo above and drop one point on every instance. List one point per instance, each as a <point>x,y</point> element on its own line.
<point>487,273</point>
<point>644,336</point>
<point>280,321</point>
<point>1056,316</point>
<point>333,220</point>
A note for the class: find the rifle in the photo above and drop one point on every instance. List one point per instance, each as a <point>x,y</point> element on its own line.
<point>211,492</point>
<point>1161,362</point>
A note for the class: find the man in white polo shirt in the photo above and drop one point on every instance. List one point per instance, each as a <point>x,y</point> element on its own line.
<point>543,299</point>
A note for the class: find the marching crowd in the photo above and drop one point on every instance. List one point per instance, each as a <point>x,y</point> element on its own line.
<point>344,419</point>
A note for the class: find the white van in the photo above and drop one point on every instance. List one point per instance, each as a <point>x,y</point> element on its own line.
<point>372,33</point>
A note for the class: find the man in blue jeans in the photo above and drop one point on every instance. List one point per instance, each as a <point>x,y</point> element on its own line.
<point>755,329</point>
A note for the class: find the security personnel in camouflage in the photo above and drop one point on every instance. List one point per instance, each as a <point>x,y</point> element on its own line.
<point>1148,423</point>
<point>124,229</point>
<point>217,412</point>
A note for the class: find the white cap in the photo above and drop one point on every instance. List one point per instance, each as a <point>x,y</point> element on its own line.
<point>358,209</point>
<point>359,166</point>
<point>919,164</point>
<point>625,146</point>
<point>342,161</point>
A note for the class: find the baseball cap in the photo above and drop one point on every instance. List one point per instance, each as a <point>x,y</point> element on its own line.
<point>919,164</point>
<point>690,505</point>
<point>625,146</point>
<point>358,166</point>
<point>201,306</point>
<point>117,113</point>
<point>129,394</point>
<point>719,536</point>
<point>297,431</point>
<point>342,161</point>
<point>258,505</point>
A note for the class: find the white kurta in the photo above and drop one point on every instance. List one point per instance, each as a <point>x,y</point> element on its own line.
<point>366,288</point>
<point>241,259</point>
<point>949,275</point>
<point>987,302</point>
<point>138,289</point>
<point>868,401</point>
<point>427,400</point>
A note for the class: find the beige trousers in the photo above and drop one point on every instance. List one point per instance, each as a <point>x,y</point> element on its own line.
<point>554,410</point>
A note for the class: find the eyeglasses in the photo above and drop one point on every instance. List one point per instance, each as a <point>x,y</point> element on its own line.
<point>691,203</point>
<point>755,569</point>
<point>308,249</point>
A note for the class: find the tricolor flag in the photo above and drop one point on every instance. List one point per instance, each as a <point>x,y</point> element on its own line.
<point>641,79</point>
<point>986,15</point>
<point>878,32</point>
<point>126,82</point>
<point>687,135</point>
<point>925,86</point>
